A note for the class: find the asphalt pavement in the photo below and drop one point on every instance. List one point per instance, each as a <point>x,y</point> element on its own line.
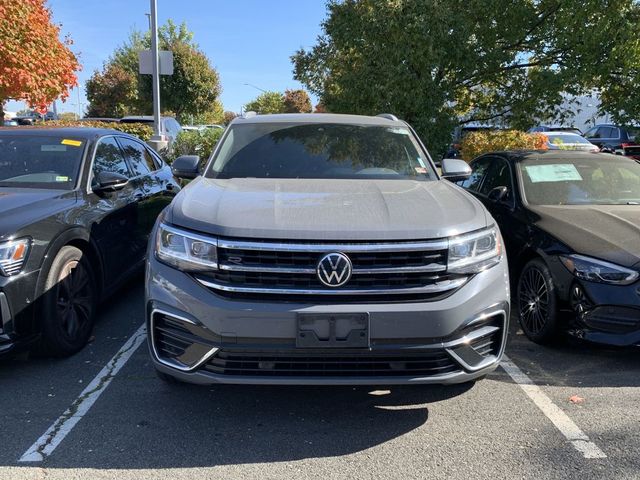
<point>139,427</point>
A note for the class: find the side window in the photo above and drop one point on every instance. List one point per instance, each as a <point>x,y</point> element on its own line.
<point>591,133</point>
<point>498,175</point>
<point>614,133</point>
<point>603,132</point>
<point>109,158</point>
<point>479,168</point>
<point>139,158</point>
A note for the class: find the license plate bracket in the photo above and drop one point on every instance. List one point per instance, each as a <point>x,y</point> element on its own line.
<point>329,330</point>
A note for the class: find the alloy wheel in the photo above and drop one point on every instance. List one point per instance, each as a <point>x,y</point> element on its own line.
<point>534,300</point>
<point>74,299</point>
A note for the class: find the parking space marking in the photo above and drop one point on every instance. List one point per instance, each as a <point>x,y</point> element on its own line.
<point>47,443</point>
<point>561,420</point>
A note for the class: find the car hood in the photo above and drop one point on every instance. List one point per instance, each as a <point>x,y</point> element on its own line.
<point>319,209</point>
<point>608,232</point>
<point>23,206</point>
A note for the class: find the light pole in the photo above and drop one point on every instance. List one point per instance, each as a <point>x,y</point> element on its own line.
<point>257,88</point>
<point>157,140</point>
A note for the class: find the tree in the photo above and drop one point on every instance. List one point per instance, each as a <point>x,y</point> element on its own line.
<point>112,92</point>
<point>297,101</point>
<point>35,65</point>
<point>267,102</point>
<point>437,64</point>
<point>229,116</point>
<point>68,116</point>
<point>192,91</point>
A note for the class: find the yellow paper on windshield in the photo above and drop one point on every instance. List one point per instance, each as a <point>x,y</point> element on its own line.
<point>71,143</point>
<point>557,172</point>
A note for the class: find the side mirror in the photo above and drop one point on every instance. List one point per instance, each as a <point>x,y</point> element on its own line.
<point>186,166</point>
<point>498,194</point>
<point>109,182</point>
<point>454,169</point>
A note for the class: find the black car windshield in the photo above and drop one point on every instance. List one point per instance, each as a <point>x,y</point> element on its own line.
<point>595,180</point>
<point>327,150</point>
<point>33,161</point>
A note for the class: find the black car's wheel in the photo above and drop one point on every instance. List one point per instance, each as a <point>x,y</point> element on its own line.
<point>537,305</point>
<point>69,303</point>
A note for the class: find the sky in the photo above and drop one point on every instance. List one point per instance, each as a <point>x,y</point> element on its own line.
<point>247,41</point>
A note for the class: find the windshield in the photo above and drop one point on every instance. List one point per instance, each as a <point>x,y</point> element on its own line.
<point>279,150</point>
<point>581,181</point>
<point>39,161</point>
<point>556,139</point>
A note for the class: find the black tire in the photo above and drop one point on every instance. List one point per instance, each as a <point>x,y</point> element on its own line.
<point>68,304</point>
<point>537,303</point>
<point>167,378</point>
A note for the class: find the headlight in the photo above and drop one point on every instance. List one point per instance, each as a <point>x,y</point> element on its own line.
<point>594,270</point>
<point>13,255</point>
<point>186,250</point>
<point>474,252</point>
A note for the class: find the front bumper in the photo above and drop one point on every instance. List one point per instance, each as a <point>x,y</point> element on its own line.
<point>609,315</point>
<point>200,337</point>
<point>17,306</point>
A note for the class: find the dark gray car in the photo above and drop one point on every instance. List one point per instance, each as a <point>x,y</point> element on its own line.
<point>325,249</point>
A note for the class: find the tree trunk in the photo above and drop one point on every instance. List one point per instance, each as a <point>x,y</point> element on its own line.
<point>2,112</point>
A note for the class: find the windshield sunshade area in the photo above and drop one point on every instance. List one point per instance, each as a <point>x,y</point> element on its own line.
<point>332,151</point>
<point>39,161</point>
<point>581,181</point>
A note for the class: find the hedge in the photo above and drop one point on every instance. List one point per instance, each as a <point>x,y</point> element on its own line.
<point>140,130</point>
<point>478,143</point>
<point>195,142</point>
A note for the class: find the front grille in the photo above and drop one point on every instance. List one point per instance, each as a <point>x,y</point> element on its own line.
<point>334,364</point>
<point>487,345</point>
<point>414,270</point>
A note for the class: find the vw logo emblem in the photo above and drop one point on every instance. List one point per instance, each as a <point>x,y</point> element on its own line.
<point>334,269</point>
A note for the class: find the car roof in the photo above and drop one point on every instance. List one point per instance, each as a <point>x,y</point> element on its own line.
<point>77,132</point>
<point>318,118</point>
<point>560,132</point>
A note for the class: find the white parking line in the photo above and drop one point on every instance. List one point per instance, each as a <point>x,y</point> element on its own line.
<point>561,420</point>
<point>48,442</point>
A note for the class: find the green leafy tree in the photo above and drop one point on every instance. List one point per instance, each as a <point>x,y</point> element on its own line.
<point>192,91</point>
<point>438,64</point>
<point>267,102</point>
<point>297,101</point>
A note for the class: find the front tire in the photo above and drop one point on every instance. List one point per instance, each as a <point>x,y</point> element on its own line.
<point>537,302</point>
<point>69,303</point>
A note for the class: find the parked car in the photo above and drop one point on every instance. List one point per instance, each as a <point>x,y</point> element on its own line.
<point>214,126</point>
<point>170,125</point>
<point>571,225</point>
<point>324,249</point>
<point>9,123</point>
<point>554,128</point>
<point>100,119</point>
<point>610,137</point>
<point>76,209</point>
<point>569,141</point>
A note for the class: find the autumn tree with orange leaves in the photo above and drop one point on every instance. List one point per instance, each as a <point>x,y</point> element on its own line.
<point>35,64</point>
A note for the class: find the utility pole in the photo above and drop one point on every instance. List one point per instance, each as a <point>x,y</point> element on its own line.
<point>157,140</point>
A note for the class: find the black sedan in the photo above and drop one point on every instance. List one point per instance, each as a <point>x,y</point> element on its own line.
<point>571,225</point>
<point>76,209</point>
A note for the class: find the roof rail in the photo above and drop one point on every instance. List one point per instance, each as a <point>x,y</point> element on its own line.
<point>249,114</point>
<point>388,116</point>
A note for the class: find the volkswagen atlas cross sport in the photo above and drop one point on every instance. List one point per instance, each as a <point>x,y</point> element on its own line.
<point>325,249</point>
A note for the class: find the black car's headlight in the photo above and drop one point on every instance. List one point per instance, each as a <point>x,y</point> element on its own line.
<point>13,255</point>
<point>185,250</point>
<point>594,270</point>
<point>475,252</point>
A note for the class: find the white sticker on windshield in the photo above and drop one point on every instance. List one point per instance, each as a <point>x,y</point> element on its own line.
<point>53,148</point>
<point>557,172</point>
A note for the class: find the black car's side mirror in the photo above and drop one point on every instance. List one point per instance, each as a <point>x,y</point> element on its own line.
<point>186,167</point>
<point>109,182</point>
<point>454,169</point>
<point>498,194</point>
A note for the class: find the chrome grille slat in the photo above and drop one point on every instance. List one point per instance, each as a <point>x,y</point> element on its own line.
<point>273,267</point>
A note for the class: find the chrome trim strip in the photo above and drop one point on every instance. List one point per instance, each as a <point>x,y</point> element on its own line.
<point>169,363</point>
<point>334,247</point>
<point>433,267</point>
<point>435,288</point>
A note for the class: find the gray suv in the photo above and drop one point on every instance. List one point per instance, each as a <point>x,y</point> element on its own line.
<point>325,249</point>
